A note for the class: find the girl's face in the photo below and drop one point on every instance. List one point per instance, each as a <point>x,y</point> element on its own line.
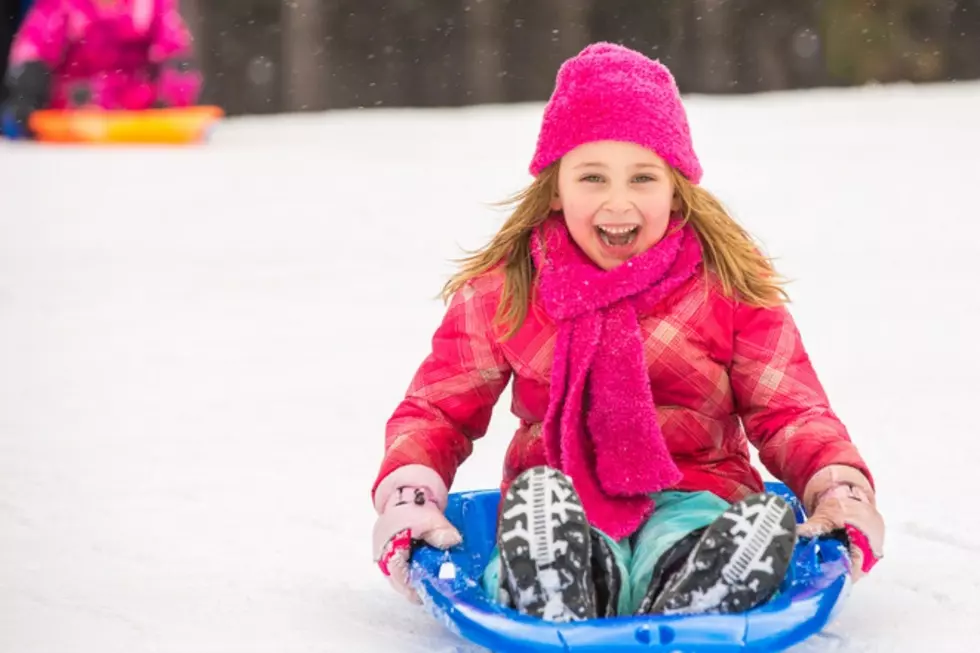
<point>617,199</point>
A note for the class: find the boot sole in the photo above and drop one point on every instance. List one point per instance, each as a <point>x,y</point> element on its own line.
<point>739,562</point>
<point>545,548</point>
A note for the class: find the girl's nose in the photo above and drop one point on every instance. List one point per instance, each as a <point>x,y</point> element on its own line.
<point>618,202</point>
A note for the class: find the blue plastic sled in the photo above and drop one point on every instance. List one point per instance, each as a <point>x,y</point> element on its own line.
<point>450,586</point>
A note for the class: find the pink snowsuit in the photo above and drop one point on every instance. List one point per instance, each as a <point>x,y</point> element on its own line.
<point>114,54</point>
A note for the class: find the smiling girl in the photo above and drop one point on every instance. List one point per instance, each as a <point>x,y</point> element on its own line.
<point>648,344</point>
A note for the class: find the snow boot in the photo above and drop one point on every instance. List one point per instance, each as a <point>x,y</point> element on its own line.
<point>546,548</point>
<point>606,575</point>
<point>736,564</point>
<point>670,563</point>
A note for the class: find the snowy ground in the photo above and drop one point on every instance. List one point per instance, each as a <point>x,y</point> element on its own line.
<point>199,350</point>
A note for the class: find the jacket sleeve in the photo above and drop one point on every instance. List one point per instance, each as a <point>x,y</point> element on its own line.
<point>782,404</point>
<point>41,37</point>
<point>452,395</point>
<point>171,50</point>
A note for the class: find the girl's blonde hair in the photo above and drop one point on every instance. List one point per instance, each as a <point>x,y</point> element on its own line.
<point>729,251</point>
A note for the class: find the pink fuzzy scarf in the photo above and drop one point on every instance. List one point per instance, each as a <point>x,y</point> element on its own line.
<point>601,426</point>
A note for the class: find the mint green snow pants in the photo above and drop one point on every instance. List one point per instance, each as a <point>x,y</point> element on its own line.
<point>676,515</point>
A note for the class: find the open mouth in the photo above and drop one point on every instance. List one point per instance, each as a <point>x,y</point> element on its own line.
<point>618,236</point>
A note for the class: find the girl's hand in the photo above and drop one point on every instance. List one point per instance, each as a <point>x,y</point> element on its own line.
<point>409,510</point>
<point>839,498</point>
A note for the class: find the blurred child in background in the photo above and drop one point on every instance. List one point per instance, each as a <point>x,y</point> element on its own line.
<point>108,54</point>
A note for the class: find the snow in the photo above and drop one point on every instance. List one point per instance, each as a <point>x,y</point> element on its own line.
<point>199,349</point>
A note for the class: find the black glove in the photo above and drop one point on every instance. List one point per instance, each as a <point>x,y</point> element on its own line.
<point>29,85</point>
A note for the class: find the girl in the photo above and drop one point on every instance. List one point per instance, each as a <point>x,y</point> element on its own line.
<point>112,54</point>
<point>648,343</point>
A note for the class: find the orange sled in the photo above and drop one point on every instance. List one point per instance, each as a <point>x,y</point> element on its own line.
<point>168,126</point>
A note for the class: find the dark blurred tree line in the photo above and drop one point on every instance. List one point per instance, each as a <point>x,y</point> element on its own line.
<point>264,56</point>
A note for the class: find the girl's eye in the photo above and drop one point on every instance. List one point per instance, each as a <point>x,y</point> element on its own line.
<point>642,179</point>
<point>592,179</point>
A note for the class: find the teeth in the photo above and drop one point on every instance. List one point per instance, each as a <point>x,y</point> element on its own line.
<point>622,239</point>
<point>618,231</point>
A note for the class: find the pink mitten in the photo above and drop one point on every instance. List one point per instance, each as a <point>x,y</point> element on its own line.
<point>839,497</point>
<point>179,83</point>
<point>410,503</point>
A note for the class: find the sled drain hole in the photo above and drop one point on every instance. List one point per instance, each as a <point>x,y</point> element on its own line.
<point>654,635</point>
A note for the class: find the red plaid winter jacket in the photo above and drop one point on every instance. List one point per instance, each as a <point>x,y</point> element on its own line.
<point>723,374</point>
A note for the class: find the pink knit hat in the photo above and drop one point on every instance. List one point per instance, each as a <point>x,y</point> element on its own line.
<point>609,92</point>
